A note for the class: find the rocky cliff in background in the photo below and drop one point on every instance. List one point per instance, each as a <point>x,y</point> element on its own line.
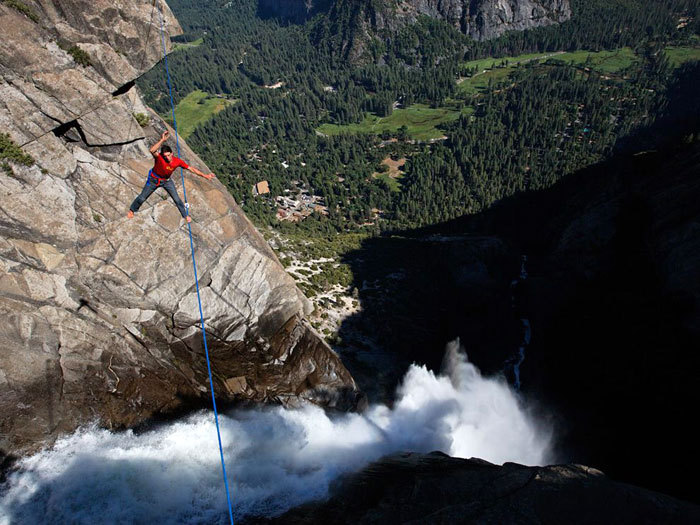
<point>100,313</point>
<point>480,19</point>
<point>485,19</point>
<point>350,25</point>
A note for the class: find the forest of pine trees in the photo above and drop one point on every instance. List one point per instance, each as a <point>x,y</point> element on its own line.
<point>549,120</point>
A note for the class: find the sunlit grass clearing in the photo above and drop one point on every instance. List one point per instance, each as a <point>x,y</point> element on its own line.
<point>195,108</point>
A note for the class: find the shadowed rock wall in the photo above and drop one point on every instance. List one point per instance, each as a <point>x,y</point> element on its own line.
<point>434,488</point>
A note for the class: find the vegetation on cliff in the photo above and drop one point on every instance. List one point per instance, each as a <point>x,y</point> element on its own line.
<point>22,8</point>
<point>11,152</point>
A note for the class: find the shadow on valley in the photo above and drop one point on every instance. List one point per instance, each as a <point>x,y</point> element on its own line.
<point>613,255</point>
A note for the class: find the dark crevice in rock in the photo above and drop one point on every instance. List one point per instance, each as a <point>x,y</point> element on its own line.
<point>24,261</point>
<point>36,303</point>
<point>63,373</point>
<point>233,306</point>
<point>7,463</point>
<point>125,143</point>
<point>136,337</point>
<point>85,303</point>
<point>212,335</point>
<point>123,89</point>
<point>126,274</point>
<point>110,262</point>
<point>70,131</point>
<point>141,341</point>
<point>189,348</point>
<point>86,318</point>
<point>14,230</point>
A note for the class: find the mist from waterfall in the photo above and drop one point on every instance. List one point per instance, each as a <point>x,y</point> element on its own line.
<point>276,458</point>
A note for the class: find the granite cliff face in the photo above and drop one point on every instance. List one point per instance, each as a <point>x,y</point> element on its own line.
<point>485,19</point>
<point>352,24</point>
<point>100,313</point>
<point>480,19</point>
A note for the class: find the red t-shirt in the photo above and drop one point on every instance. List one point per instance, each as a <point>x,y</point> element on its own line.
<point>164,169</point>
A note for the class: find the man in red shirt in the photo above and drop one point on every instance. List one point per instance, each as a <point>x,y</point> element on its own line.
<point>165,164</point>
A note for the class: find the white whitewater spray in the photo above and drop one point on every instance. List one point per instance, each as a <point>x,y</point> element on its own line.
<point>278,458</point>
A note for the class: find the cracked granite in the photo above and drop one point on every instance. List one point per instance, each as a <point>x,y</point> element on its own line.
<point>101,315</point>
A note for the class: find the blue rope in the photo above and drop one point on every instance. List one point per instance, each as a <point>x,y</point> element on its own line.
<point>196,280</point>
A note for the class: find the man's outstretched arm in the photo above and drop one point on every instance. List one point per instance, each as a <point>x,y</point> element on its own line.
<point>157,145</point>
<point>201,174</point>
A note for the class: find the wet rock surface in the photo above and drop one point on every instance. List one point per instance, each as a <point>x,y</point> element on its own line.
<point>434,488</point>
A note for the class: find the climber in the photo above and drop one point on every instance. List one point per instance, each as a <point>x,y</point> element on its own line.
<point>159,175</point>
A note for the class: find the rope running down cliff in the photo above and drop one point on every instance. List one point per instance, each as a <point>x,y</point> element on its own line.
<point>196,279</point>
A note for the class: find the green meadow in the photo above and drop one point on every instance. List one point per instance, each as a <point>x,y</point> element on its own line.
<point>680,55</point>
<point>180,46</point>
<point>422,122</point>
<point>480,83</point>
<point>195,108</point>
<point>495,71</point>
<point>601,61</point>
<point>489,63</point>
<point>393,182</point>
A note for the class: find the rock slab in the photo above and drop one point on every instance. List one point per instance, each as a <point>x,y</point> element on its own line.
<point>101,318</point>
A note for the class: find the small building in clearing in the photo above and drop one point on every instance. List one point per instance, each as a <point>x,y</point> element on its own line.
<point>261,188</point>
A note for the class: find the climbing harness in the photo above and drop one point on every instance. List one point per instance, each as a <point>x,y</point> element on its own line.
<point>158,180</point>
<point>194,266</point>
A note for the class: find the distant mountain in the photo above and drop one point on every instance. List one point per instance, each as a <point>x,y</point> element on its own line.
<point>480,19</point>
<point>484,19</point>
<point>357,21</point>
